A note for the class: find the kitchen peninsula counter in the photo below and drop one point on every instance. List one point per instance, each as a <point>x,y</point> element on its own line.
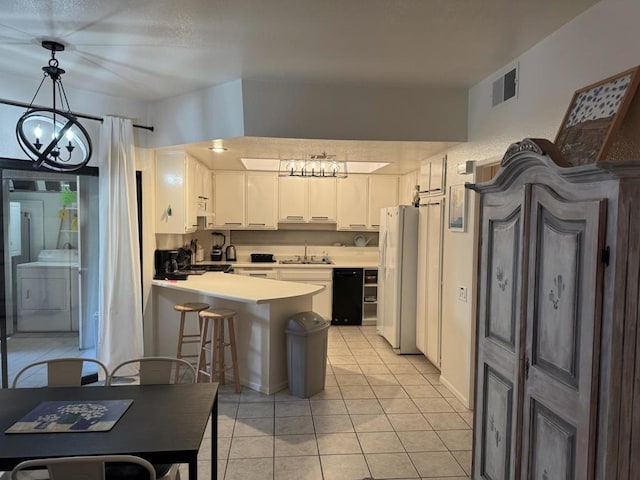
<point>263,309</point>
<point>239,288</point>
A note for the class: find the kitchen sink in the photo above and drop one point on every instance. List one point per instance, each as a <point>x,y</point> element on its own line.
<point>307,261</point>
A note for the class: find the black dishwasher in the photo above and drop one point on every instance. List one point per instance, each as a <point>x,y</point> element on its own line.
<point>347,296</point>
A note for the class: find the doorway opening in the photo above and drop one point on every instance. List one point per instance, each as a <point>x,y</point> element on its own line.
<point>51,241</point>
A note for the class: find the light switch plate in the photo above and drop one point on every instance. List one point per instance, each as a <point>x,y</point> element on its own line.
<point>462,294</point>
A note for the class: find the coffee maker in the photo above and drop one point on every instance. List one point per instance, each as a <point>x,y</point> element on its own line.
<point>170,264</point>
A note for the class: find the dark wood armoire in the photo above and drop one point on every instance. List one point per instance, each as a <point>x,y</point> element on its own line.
<point>557,389</point>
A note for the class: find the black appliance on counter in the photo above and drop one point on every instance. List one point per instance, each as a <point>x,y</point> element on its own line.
<point>347,296</point>
<point>170,264</point>
<point>176,265</point>
<point>262,258</point>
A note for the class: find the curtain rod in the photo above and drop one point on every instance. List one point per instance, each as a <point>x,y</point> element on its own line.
<point>80,115</point>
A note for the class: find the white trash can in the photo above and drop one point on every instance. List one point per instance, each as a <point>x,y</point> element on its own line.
<point>306,353</point>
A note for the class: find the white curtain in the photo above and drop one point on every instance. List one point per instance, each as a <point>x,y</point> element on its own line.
<point>120,327</point>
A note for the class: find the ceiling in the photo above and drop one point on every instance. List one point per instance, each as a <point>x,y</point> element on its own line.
<point>155,49</point>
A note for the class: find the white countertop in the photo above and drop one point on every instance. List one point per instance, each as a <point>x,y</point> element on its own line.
<point>240,288</point>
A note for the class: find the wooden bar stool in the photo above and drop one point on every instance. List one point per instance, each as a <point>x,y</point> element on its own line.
<point>183,338</point>
<point>215,346</point>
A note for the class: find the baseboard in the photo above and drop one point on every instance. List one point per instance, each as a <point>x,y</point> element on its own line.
<point>456,393</point>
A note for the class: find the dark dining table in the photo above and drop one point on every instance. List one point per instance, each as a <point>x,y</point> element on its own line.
<point>164,424</point>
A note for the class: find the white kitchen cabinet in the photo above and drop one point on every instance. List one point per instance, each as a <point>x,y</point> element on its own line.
<point>229,200</point>
<point>176,210</point>
<point>202,189</point>
<point>323,199</point>
<point>258,272</point>
<point>407,187</point>
<point>321,302</point>
<point>353,202</point>
<point>360,198</point>
<point>293,202</point>
<point>432,176</point>
<point>429,283</point>
<point>383,192</point>
<point>262,201</point>
<point>209,219</point>
<point>308,200</point>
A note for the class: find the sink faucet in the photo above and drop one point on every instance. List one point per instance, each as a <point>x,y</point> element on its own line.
<point>305,251</point>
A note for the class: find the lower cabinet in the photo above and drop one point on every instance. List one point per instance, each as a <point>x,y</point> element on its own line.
<point>320,277</point>
<point>257,272</point>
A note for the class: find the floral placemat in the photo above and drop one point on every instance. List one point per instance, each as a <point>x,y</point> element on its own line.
<point>71,416</point>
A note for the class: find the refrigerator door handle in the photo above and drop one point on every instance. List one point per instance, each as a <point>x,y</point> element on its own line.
<point>383,251</point>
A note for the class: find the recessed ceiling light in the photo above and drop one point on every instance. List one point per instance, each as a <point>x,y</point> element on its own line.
<point>217,149</point>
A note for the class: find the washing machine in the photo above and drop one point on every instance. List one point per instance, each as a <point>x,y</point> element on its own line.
<point>47,292</point>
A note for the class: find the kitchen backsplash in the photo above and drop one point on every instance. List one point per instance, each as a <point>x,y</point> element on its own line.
<point>298,237</point>
<point>264,239</point>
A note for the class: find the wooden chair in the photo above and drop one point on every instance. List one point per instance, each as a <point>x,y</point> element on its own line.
<point>84,468</point>
<point>61,372</point>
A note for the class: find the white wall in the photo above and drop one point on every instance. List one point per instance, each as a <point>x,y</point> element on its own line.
<point>599,43</point>
<point>291,109</point>
<point>207,114</point>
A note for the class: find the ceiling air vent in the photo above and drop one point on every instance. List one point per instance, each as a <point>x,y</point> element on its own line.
<point>505,87</point>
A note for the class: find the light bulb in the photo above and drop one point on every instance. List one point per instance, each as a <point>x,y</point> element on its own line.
<point>69,135</point>
<point>37,131</point>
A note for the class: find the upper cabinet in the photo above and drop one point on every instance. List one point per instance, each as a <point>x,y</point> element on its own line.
<point>245,200</point>
<point>407,187</point>
<point>353,199</point>
<point>262,200</point>
<point>303,200</point>
<point>383,192</point>
<point>229,200</point>
<point>360,198</point>
<point>432,176</point>
<point>178,192</point>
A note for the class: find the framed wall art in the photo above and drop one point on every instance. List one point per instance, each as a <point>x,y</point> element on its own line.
<point>593,117</point>
<point>457,208</point>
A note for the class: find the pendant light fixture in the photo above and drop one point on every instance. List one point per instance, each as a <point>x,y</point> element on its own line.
<point>319,165</point>
<point>53,137</point>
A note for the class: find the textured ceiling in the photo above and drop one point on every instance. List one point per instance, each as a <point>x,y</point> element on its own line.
<point>151,49</point>
<point>154,49</point>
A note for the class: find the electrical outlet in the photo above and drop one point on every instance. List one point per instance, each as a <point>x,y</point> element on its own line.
<point>462,294</point>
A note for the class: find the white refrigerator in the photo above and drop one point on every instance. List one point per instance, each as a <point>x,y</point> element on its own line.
<point>397,276</point>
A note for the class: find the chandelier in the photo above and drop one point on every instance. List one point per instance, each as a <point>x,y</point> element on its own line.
<point>53,137</point>
<point>317,166</point>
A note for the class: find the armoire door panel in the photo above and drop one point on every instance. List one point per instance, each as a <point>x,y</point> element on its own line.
<point>561,348</point>
<point>553,444</point>
<point>496,426</point>
<point>498,361</point>
<point>504,252</point>
<point>556,322</point>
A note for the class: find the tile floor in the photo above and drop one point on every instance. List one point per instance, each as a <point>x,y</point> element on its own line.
<point>380,416</point>
<point>26,348</point>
